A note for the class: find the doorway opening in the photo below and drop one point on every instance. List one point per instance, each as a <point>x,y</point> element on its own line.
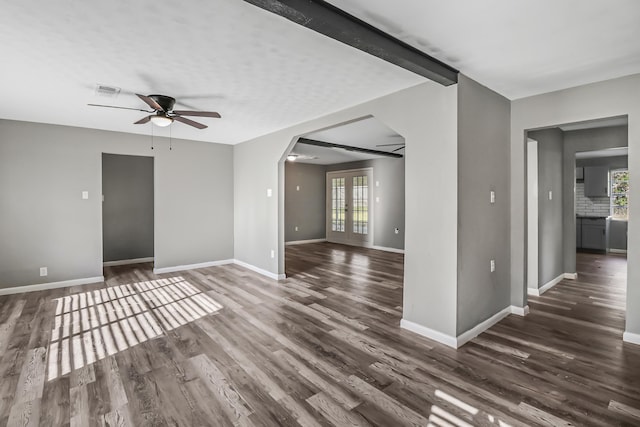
<point>127,209</point>
<point>577,196</point>
<point>344,203</point>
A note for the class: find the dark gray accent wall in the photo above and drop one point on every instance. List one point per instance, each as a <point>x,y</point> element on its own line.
<point>576,141</point>
<point>127,209</point>
<point>550,246</point>
<point>483,228</point>
<point>388,188</point>
<point>304,187</point>
<point>45,222</point>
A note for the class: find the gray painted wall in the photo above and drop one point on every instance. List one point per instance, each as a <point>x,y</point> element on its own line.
<point>304,208</point>
<point>483,228</point>
<point>550,245</point>
<point>611,98</point>
<point>127,210</point>
<point>576,141</point>
<point>45,222</point>
<point>426,116</point>
<point>389,212</point>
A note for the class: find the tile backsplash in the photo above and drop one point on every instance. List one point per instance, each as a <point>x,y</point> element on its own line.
<point>595,206</point>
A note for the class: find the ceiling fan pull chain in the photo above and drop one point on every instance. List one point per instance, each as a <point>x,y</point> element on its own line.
<point>151,124</point>
<point>170,139</point>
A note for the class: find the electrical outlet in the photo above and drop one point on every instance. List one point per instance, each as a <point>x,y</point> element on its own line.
<point>85,195</point>
<point>269,192</point>
<point>550,195</point>
<point>492,197</point>
<point>43,271</point>
<point>273,253</point>
<point>493,265</point>
<point>297,188</point>
<point>296,228</point>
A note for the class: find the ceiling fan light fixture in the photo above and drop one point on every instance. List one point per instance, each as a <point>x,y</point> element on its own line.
<point>162,121</point>
<point>292,157</point>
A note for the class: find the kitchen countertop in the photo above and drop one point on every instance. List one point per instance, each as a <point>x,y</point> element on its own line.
<point>591,217</point>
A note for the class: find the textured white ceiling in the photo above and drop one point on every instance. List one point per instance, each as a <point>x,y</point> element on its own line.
<point>264,73</point>
<point>517,48</point>
<point>260,71</point>
<point>365,133</point>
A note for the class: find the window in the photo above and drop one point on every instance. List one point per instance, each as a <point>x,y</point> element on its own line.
<point>337,204</point>
<point>620,194</point>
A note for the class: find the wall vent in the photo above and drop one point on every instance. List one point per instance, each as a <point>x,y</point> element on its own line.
<point>107,91</point>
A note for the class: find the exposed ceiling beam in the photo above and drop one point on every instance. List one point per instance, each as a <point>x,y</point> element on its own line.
<point>327,19</point>
<point>348,148</point>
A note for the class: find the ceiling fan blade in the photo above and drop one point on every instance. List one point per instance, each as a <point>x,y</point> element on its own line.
<point>389,145</point>
<point>143,120</point>
<point>150,102</point>
<point>189,122</point>
<point>122,108</point>
<point>398,149</point>
<point>197,113</point>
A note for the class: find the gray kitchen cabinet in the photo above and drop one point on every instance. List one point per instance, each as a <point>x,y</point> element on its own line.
<point>596,181</point>
<point>617,235</point>
<point>594,234</point>
<point>578,233</point>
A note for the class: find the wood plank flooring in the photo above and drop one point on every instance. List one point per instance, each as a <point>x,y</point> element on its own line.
<point>225,346</point>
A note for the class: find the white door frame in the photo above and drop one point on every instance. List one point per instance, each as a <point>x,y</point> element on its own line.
<point>532,215</point>
<point>368,240</point>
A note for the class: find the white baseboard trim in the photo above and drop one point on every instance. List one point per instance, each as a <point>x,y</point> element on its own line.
<point>544,288</point>
<point>191,266</point>
<point>460,340</point>
<point>51,285</point>
<point>304,242</point>
<point>465,337</point>
<point>384,248</point>
<point>259,270</point>
<point>216,263</point>
<point>429,333</point>
<point>127,261</point>
<point>519,311</point>
<point>618,251</point>
<point>631,338</point>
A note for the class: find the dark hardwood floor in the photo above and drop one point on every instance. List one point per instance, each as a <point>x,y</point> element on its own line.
<point>225,346</point>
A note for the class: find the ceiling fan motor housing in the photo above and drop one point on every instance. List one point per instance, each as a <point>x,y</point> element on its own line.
<point>166,102</point>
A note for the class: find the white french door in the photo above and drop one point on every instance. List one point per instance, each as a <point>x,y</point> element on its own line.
<point>349,207</point>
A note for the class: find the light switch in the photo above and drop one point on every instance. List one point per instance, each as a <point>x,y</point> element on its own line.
<point>297,188</point>
<point>85,195</point>
<point>492,197</point>
<point>273,253</point>
<point>493,265</point>
<point>550,195</point>
<point>377,199</point>
<point>269,192</point>
<point>377,183</point>
<point>296,228</point>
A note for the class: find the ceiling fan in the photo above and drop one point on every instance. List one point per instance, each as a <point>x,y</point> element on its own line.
<point>391,145</point>
<point>163,112</point>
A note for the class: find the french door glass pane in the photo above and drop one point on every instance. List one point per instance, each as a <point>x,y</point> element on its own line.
<point>360,205</point>
<point>337,204</point>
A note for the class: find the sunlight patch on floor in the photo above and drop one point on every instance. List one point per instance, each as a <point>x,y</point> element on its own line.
<point>93,325</point>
